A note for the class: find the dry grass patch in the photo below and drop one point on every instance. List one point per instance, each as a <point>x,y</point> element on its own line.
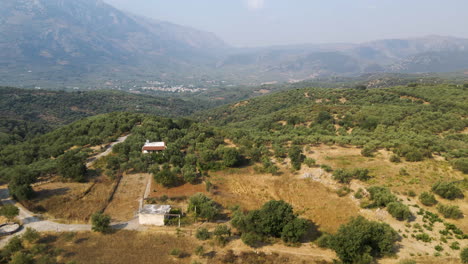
<point>125,247</point>
<point>125,203</point>
<point>421,175</point>
<point>68,202</point>
<point>314,201</point>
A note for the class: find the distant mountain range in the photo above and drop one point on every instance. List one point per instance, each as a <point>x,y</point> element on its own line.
<point>70,42</point>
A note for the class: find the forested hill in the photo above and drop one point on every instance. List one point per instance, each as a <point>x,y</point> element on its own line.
<point>26,113</point>
<point>414,122</point>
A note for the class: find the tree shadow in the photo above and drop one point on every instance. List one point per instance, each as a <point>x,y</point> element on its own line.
<point>44,194</point>
<point>47,239</point>
<point>312,233</point>
<point>81,240</point>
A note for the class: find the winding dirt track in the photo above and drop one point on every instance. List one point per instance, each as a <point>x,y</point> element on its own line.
<point>29,219</point>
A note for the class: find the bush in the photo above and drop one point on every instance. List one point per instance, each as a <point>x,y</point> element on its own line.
<point>461,165</point>
<point>399,211</point>
<point>380,196</point>
<point>450,211</point>
<point>447,190</point>
<point>361,240</point>
<point>309,162</point>
<point>251,239</point>
<point>21,258</point>
<point>395,158</point>
<point>423,237</point>
<point>222,232</point>
<point>324,241</point>
<point>203,206</point>
<point>345,176</point>
<point>203,234</point>
<point>199,251</point>
<point>9,211</point>
<point>31,235</point>
<point>368,151</point>
<point>294,230</point>
<point>100,222</point>
<point>464,255</point>
<point>14,245</point>
<point>427,199</point>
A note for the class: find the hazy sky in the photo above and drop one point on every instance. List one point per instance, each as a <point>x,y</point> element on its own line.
<point>277,22</point>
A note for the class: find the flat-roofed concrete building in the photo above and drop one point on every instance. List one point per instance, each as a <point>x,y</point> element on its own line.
<point>153,214</point>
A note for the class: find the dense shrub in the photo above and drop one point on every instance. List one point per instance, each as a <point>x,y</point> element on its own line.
<point>294,230</point>
<point>447,190</point>
<point>100,222</point>
<point>203,206</point>
<point>361,239</point>
<point>395,159</point>
<point>203,234</point>
<point>273,219</point>
<point>399,211</point>
<point>380,196</point>
<point>450,211</point>
<point>464,255</point>
<point>461,164</point>
<point>345,176</point>
<point>72,166</point>
<point>296,156</point>
<point>427,199</point>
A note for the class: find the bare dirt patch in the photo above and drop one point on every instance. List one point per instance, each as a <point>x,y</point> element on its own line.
<point>240,104</point>
<point>415,99</point>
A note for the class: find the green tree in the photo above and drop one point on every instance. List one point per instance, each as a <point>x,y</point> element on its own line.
<point>296,156</point>
<point>294,230</point>
<point>100,222</point>
<point>9,211</point>
<point>203,206</point>
<point>72,166</point>
<point>361,239</point>
<point>231,157</point>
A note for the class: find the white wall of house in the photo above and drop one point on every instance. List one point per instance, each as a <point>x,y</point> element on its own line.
<point>151,219</point>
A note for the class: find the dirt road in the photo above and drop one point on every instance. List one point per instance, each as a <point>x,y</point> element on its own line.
<point>107,152</point>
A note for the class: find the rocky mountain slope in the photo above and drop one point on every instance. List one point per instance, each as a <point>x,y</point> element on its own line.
<point>88,41</point>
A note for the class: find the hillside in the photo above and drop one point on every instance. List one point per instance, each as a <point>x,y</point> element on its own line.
<point>287,175</point>
<point>26,113</point>
<point>422,119</point>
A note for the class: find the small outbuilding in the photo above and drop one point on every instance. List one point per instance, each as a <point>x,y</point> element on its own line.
<point>153,214</point>
<point>151,147</point>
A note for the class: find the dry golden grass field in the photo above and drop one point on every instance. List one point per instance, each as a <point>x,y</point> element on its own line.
<point>71,202</point>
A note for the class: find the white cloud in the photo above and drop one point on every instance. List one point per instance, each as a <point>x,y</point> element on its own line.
<point>255,4</point>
